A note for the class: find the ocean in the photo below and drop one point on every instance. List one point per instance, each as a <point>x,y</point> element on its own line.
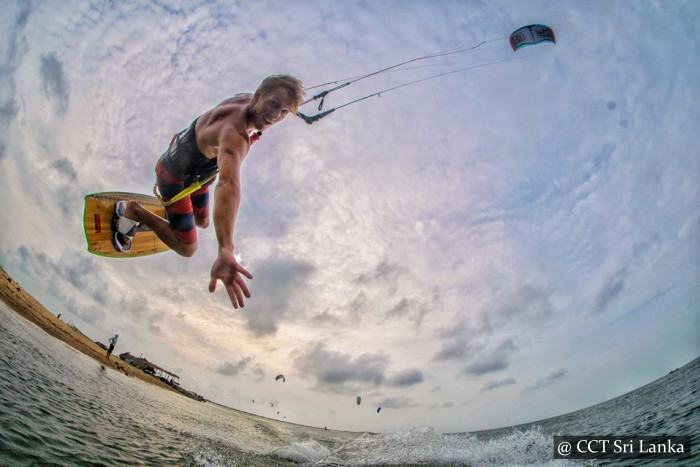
<point>59,408</point>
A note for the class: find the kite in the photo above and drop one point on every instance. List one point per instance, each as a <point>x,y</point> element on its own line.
<point>531,35</point>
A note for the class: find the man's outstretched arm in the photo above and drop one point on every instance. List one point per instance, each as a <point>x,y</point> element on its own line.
<point>227,197</point>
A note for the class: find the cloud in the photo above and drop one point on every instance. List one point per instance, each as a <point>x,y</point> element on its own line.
<point>231,369</point>
<point>277,280</point>
<point>479,358</point>
<point>610,290</point>
<point>487,364</point>
<point>54,81</point>
<point>65,168</point>
<point>453,350</point>
<point>397,403</point>
<point>444,405</point>
<point>548,380</point>
<point>531,302</point>
<point>8,109</point>
<point>335,370</point>
<point>383,270</point>
<point>490,358</point>
<point>258,373</point>
<point>12,58</point>
<point>495,384</point>
<point>82,273</point>
<point>408,377</point>
<point>409,308</point>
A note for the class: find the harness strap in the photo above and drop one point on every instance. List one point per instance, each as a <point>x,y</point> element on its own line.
<point>254,137</point>
<point>186,192</point>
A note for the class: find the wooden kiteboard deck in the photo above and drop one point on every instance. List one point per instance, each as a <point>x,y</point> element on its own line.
<point>99,210</point>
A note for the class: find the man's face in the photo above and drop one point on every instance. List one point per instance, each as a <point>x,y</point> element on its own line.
<point>270,108</point>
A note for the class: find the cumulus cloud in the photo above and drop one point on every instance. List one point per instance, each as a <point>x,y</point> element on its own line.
<point>9,61</point>
<point>452,350</point>
<point>397,403</point>
<point>336,370</point>
<point>409,308</point>
<point>478,358</point>
<point>489,358</point>
<point>54,81</point>
<point>498,383</point>
<point>232,369</point>
<point>548,380</point>
<point>278,280</point>
<point>610,290</point>
<point>408,377</point>
<point>383,270</point>
<point>65,168</point>
<point>528,302</point>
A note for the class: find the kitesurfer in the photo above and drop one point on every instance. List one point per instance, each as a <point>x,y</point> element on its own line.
<point>112,343</point>
<point>219,140</point>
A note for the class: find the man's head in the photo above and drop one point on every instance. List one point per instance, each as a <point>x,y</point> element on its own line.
<point>294,88</point>
<point>276,97</point>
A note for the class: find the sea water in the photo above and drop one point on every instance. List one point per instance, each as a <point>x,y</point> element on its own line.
<point>58,407</point>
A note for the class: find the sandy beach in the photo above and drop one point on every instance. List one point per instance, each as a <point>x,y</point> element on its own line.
<point>27,306</point>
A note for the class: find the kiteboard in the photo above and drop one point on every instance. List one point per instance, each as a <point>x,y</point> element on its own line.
<point>97,218</point>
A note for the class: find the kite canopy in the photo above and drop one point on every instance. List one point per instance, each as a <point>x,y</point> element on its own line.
<point>531,35</point>
<point>280,377</point>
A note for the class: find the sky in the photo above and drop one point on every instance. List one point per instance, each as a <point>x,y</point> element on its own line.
<point>492,247</point>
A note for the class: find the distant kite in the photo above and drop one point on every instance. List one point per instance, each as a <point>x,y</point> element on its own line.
<point>379,409</point>
<point>531,35</point>
<point>281,377</point>
<point>359,399</point>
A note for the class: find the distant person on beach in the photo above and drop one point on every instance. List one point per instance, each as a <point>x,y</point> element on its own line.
<point>112,343</point>
<point>215,142</point>
<point>59,316</point>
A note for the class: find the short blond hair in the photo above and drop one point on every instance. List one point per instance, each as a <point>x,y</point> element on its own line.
<point>293,86</point>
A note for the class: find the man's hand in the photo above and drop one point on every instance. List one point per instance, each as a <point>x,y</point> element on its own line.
<point>227,269</point>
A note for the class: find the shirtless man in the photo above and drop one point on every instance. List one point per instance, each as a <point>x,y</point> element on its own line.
<point>218,139</point>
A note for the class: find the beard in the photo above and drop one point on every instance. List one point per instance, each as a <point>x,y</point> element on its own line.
<point>257,120</point>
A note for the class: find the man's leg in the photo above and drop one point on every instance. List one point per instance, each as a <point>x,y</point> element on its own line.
<point>178,232</point>
<point>200,206</point>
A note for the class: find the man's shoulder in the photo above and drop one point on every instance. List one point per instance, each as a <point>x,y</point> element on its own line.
<point>240,99</point>
<point>230,110</point>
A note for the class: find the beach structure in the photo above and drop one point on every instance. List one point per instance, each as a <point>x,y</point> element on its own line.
<point>151,368</point>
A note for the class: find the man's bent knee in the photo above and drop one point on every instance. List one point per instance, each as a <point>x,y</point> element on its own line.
<point>186,249</point>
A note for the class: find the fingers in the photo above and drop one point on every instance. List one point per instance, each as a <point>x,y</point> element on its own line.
<point>235,294</point>
<point>243,287</point>
<point>239,295</point>
<point>232,296</point>
<point>236,290</point>
<point>233,281</point>
<point>244,271</point>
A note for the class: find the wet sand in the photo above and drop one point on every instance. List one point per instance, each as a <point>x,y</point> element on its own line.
<point>28,307</point>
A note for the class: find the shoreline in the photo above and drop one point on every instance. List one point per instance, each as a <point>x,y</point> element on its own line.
<point>25,305</point>
<point>28,307</point>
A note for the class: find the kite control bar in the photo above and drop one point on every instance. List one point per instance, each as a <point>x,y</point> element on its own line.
<point>314,118</point>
